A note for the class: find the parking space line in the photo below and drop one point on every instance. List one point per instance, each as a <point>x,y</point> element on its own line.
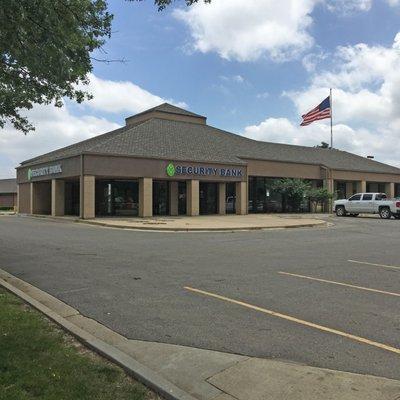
<point>359,339</point>
<point>373,265</point>
<point>339,283</point>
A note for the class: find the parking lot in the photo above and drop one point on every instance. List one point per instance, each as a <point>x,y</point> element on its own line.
<point>326,297</point>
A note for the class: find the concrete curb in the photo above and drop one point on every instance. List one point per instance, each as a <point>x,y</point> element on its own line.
<point>140,372</point>
<point>238,229</point>
<point>316,224</point>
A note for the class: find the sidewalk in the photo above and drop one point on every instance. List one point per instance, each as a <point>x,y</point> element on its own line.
<point>210,222</point>
<point>186,373</point>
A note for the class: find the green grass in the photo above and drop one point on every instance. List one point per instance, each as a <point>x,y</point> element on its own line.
<point>39,361</point>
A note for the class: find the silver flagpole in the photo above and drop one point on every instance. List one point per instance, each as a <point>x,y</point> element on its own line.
<point>331,118</point>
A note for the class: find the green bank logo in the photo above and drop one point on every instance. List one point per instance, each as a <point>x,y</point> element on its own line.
<point>170,169</point>
<point>29,174</point>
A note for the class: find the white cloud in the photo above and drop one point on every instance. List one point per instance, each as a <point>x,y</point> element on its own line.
<point>349,6</point>
<point>233,78</point>
<point>59,127</point>
<point>121,96</point>
<point>248,30</point>
<point>360,141</point>
<point>263,95</point>
<point>55,128</point>
<point>393,3</point>
<point>366,104</point>
<point>238,78</point>
<point>311,60</point>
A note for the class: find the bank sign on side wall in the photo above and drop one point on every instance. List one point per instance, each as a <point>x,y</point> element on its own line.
<point>177,169</point>
<point>44,171</point>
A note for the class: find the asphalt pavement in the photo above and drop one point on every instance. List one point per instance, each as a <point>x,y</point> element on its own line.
<point>302,295</point>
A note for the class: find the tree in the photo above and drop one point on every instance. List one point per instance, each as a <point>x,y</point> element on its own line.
<point>323,145</point>
<point>319,197</point>
<point>45,52</point>
<point>164,3</point>
<point>293,192</point>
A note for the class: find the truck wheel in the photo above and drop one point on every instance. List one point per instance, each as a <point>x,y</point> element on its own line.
<point>385,213</point>
<point>340,211</point>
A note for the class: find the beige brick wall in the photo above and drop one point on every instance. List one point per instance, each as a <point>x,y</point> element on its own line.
<point>222,198</point>
<point>193,197</point>
<point>88,191</point>
<point>389,190</point>
<point>241,198</point>
<point>145,197</point>
<point>57,197</point>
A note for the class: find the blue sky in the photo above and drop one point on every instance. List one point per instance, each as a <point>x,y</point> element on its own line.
<point>251,66</point>
<point>154,44</point>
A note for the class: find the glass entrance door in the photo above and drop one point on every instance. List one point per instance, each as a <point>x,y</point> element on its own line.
<point>160,198</point>
<point>72,198</point>
<point>208,198</point>
<point>230,198</point>
<point>182,198</point>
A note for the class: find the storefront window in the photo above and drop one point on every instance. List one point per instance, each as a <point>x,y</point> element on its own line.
<point>208,198</point>
<point>377,187</point>
<point>264,199</point>
<point>160,198</point>
<point>397,190</point>
<point>72,198</point>
<point>117,198</point>
<point>340,190</point>
<point>182,198</point>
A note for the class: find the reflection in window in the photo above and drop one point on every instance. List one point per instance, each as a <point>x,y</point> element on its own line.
<point>182,198</point>
<point>263,199</point>
<point>160,198</point>
<point>117,198</point>
<point>230,201</point>
<point>368,196</point>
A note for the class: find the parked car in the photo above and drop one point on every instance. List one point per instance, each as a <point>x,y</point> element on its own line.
<point>368,203</point>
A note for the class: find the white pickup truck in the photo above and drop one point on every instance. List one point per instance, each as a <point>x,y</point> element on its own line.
<point>368,203</point>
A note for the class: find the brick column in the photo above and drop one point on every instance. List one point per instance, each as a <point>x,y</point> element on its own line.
<point>241,198</point>
<point>193,197</point>
<point>222,198</point>
<point>87,187</point>
<point>389,189</point>
<point>361,186</point>
<point>18,197</point>
<point>349,189</point>
<point>173,198</point>
<point>57,197</point>
<point>31,198</point>
<point>145,197</point>
<point>330,185</point>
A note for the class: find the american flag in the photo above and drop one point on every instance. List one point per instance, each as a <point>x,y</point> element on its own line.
<point>322,111</point>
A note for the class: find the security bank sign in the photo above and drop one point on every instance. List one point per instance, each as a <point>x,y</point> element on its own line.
<point>43,171</point>
<point>173,170</point>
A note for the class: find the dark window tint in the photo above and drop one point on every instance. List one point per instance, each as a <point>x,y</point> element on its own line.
<point>381,196</point>
<point>367,197</point>
<point>355,197</point>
